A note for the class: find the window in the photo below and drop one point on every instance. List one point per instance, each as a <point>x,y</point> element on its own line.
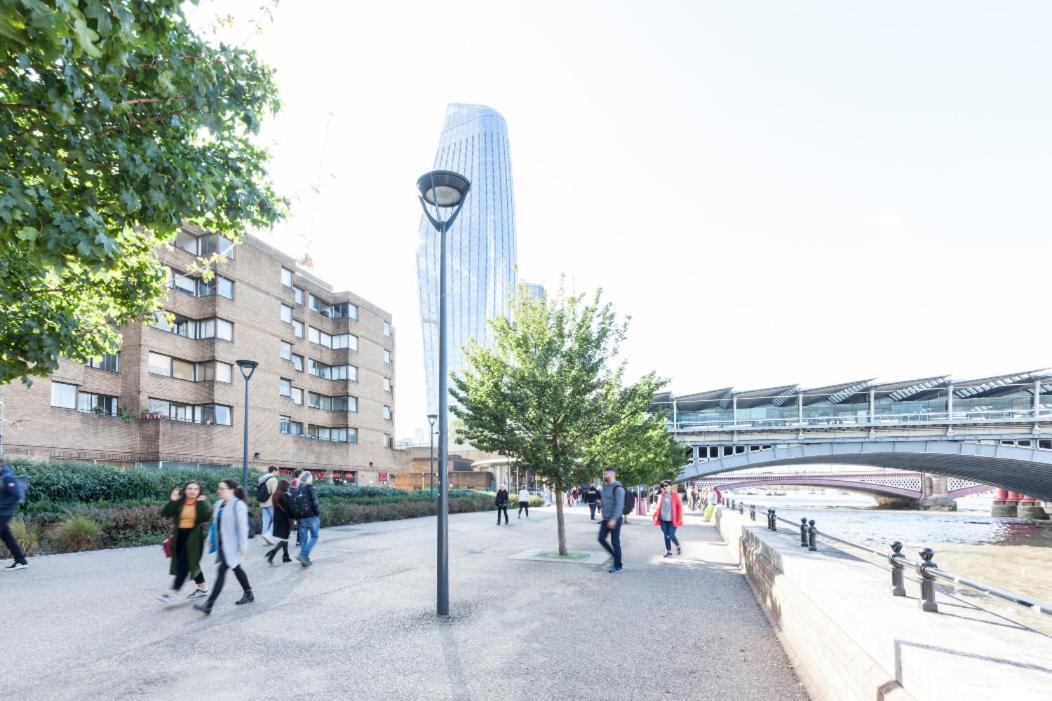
<point>297,294</point>
<point>387,328</point>
<point>297,362</point>
<point>206,371</point>
<point>387,356</point>
<point>286,277</point>
<point>290,427</point>
<point>183,283</point>
<point>286,350</point>
<point>335,434</point>
<point>63,395</point>
<point>285,387</point>
<point>297,396</point>
<point>387,412</point>
<point>327,403</point>
<point>219,285</point>
<point>388,441</point>
<point>352,435</point>
<point>218,414</point>
<point>204,245</point>
<point>194,328</point>
<point>110,362</point>
<point>286,313</point>
<point>337,342</point>
<point>387,384</point>
<point>333,372</point>
<point>182,369</point>
<point>186,241</point>
<point>160,364</point>
<point>283,423</point>
<point>339,310</point>
<point>352,372</point>
<point>297,328</point>
<point>96,403</point>
<point>224,330</point>
<point>223,372</point>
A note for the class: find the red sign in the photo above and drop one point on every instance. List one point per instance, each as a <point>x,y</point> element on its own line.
<point>382,476</point>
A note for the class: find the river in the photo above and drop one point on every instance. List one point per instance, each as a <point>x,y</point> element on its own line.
<point>1013,555</point>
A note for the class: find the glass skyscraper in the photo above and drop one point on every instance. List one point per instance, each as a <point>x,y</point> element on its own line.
<point>481,245</point>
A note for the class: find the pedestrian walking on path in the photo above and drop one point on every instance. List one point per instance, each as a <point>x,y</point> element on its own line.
<point>613,501</point>
<point>190,516</point>
<point>502,504</point>
<point>282,526</point>
<point>591,497</point>
<point>524,501</point>
<point>307,511</point>
<point>265,496</point>
<point>12,494</point>
<point>230,526</point>
<point>668,513</point>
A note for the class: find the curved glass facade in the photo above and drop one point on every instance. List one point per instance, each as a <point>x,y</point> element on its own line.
<point>482,249</point>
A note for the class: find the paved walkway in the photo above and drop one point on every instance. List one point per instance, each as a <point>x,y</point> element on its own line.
<point>361,621</point>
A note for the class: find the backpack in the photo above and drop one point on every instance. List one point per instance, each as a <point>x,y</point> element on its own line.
<point>630,501</point>
<point>299,503</point>
<point>263,491</point>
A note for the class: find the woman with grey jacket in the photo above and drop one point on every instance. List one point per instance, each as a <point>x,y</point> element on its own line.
<point>230,525</point>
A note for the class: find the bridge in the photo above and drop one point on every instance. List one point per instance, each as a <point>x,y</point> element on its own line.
<point>889,486</point>
<point>993,430</point>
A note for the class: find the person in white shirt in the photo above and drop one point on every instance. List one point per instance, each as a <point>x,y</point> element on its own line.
<point>524,501</point>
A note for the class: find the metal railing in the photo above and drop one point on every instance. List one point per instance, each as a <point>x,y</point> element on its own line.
<point>863,421</point>
<point>926,569</point>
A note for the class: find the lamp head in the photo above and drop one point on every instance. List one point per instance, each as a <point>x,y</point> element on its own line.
<point>247,367</point>
<point>443,188</point>
<point>432,418</point>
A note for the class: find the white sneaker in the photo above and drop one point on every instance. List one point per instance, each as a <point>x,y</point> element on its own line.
<point>16,566</point>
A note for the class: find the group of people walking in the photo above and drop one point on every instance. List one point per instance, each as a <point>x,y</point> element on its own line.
<point>225,528</point>
<point>503,499</point>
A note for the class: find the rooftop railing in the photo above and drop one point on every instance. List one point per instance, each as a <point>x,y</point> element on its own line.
<point>958,418</point>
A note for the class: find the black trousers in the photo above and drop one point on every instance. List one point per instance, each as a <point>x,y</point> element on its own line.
<point>591,510</point>
<point>615,539</point>
<point>242,579</point>
<point>283,546</point>
<point>502,510</point>
<point>524,505</point>
<point>182,560</point>
<point>9,540</point>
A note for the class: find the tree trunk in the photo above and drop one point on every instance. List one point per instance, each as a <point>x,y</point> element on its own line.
<point>559,521</point>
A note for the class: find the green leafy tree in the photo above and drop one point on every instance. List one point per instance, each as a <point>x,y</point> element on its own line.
<point>643,450</point>
<point>118,124</point>
<point>549,389</point>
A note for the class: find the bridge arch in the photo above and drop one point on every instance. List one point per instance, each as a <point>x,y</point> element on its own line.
<point>1024,470</point>
<point>870,488</point>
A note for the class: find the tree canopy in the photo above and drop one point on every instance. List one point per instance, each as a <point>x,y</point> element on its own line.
<point>550,394</point>
<point>118,124</point>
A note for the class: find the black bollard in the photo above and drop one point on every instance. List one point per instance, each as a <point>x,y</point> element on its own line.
<point>927,581</point>
<point>803,532</point>
<point>741,508</point>
<point>812,533</point>
<point>896,558</point>
<point>752,512</point>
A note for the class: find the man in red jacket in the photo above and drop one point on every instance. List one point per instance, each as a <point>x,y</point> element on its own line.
<point>668,513</point>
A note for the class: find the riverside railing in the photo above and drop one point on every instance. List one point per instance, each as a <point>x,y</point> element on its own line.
<point>926,568</point>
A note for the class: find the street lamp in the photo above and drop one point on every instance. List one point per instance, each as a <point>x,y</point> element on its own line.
<point>247,367</point>
<point>442,190</point>
<point>431,418</point>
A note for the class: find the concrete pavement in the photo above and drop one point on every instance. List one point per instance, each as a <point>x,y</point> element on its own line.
<point>361,621</point>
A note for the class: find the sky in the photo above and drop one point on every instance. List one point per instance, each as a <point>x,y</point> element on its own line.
<point>773,192</point>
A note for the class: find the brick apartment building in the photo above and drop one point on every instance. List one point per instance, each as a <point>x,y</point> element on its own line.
<point>322,396</point>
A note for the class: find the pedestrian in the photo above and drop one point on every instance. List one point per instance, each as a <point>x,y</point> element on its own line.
<point>613,502</point>
<point>310,525</point>
<point>524,501</point>
<point>502,504</point>
<point>265,496</point>
<point>295,483</point>
<point>591,497</point>
<point>190,516</point>
<point>230,526</point>
<point>669,515</point>
<point>12,493</point>
<point>282,525</point>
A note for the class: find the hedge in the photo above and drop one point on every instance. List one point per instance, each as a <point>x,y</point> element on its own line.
<point>67,500</point>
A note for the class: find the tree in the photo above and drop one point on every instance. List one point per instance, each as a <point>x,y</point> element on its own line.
<point>644,451</point>
<point>549,395</point>
<point>118,124</point>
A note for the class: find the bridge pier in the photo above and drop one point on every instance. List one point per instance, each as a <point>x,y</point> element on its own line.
<point>935,494</point>
<point>1030,507</point>
<point>1002,508</point>
<point>897,503</point>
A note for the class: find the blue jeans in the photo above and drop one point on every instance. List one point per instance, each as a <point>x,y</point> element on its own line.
<point>669,531</point>
<point>268,519</point>
<point>309,526</point>
<point>614,547</point>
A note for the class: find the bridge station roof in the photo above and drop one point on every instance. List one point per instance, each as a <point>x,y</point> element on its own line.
<point>858,392</point>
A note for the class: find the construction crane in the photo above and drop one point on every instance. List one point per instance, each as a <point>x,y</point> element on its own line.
<point>307,261</point>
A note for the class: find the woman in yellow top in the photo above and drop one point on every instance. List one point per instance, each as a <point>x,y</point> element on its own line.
<point>190,515</point>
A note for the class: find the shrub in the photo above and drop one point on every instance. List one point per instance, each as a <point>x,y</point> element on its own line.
<point>27,535</point>
<point>77,532</point>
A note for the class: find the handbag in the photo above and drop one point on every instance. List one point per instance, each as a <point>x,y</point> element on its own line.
<point>167,546</point>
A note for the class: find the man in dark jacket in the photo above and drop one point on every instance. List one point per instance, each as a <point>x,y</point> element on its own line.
<point>591,497</point>
<point>310,526</point>
<point>502,504</point>
<point>613,501</point>
<point>10,496</point>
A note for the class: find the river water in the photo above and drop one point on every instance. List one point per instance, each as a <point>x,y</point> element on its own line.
<point>1013,555</point>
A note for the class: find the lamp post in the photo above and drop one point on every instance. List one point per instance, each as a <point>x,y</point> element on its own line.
<point>431,418</point>
<point>247,367</point>
<point>442,190</point>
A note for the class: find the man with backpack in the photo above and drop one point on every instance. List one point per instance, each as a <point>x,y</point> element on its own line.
<point>12,493</point>
<point>265,496</point>
<point>304,507</point>
<point>613,499</point>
